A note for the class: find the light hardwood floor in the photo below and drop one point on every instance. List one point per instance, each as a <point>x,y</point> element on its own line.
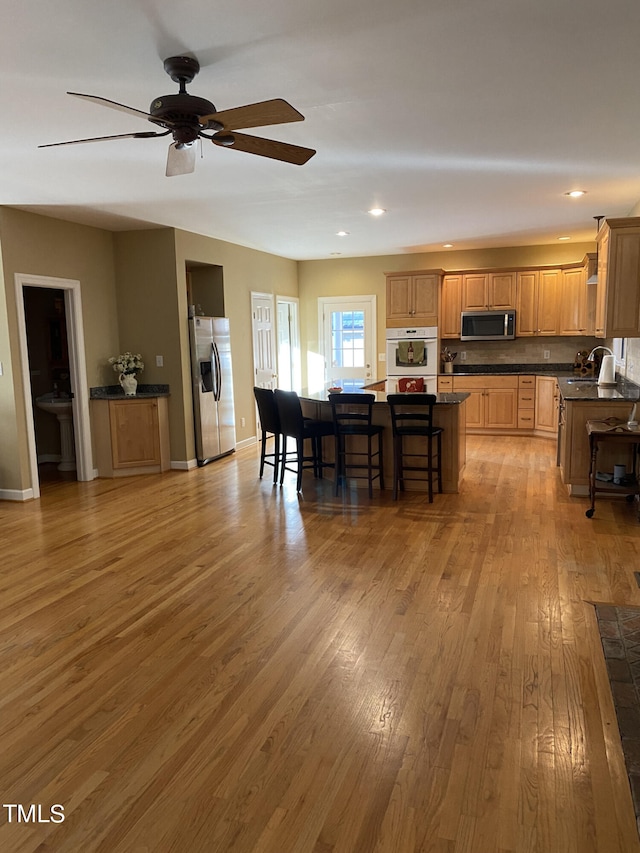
<point>204,663</point>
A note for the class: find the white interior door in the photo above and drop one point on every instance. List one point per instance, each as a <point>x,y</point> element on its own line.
<point>264,340</point>
<point>349,340</point>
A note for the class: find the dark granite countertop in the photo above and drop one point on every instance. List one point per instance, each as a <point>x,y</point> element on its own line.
<point>115,392</point>
<point>322,396</point>
<point>588,389</point>
<point>541,368</point>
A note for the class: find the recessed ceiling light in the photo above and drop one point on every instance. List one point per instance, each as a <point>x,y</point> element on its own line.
<point>447,245</point>
<point>377,211</point>
<point>342,233</point>
<point>564,238</point>
<point>576,193</point>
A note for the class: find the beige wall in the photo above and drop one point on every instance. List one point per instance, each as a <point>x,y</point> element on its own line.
<point>245,270</point>
<point>133,289</point>
<point>361,276</point>
<point>38,245</point>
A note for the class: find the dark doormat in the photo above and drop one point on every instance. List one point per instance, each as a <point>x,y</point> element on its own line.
<point>620,635</point>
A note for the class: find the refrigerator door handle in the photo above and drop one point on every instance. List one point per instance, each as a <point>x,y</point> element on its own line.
<point>217,372</point>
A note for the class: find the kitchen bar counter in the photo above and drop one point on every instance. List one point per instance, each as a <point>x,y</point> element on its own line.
<point>448,414</point>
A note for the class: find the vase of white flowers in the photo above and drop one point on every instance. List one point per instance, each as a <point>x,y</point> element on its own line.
<point>128,365</point>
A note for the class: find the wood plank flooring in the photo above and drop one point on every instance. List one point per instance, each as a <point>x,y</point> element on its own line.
<point>204,663</point>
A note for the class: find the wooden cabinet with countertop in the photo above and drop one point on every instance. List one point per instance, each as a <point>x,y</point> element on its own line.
<point>131,435</point>
<point>492,403</point>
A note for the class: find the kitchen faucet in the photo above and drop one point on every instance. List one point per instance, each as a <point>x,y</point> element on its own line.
<point>607,375</point>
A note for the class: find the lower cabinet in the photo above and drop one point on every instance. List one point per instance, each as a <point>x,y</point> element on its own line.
<point>492,402</point>
<point>131,436</point>
<point>518,403</point>
<point>547,397</point>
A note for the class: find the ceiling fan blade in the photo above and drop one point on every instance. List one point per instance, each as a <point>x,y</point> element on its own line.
<point>114,105</point>
<point>262,114</point>
<point>265,147</point>
<point>181,161</point>
<point>146,134</point>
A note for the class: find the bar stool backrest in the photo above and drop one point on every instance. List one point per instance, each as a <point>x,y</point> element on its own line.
<point>351,411</point>
<point>412,412</point>
<point>267,410</point>
<point>289,412</point>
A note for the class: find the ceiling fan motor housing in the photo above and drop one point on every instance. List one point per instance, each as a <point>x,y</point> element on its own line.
<point>181,113</point>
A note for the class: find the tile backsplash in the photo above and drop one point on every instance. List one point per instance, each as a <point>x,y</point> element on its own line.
<point>631,360</point>
<point>522,351</point>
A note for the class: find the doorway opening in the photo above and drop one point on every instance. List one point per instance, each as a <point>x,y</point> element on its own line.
<point>60,355</point>
<point>288,333</point>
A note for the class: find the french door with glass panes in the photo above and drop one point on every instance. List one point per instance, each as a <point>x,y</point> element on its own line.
<point>348,336</point>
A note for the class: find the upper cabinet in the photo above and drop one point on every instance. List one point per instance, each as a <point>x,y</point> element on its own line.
<point>618,288</point>
<point>537,302</point>
<point>488,291</point>
<point>576,303</point>
<point>412,298</point>
<point>450,306</point>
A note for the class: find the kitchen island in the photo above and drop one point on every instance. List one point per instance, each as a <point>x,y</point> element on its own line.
<point>448,413</point>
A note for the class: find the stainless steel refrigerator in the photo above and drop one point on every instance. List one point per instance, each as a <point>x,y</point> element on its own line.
<point>213,410</point>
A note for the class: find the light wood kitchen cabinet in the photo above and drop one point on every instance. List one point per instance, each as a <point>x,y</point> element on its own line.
<point>574,302</point>
<point>492,403</point>
<point>546,408</point>
<point>488,291</point>
<point>450,306</point>
<point>131,435</point>
<point>618,288</point>
<point>526,402</point>
<point>412,298</point>
<point>537,300</point>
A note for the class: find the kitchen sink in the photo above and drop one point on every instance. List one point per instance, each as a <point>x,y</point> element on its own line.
<point>583,379</point>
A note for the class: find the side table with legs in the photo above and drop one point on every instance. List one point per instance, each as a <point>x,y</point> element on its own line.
<point>628,441</point>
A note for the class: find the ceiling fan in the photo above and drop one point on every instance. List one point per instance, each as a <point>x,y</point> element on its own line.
<point>187,118</point>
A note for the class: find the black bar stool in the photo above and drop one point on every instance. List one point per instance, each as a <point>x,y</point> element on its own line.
<point>352,414</point>
<point>412,417</point>
<point>270,428</point>
<point>294,425</point>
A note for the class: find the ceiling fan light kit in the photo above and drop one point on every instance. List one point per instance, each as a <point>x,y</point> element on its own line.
<point>187,118</point>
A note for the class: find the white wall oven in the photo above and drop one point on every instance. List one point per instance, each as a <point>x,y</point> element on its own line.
<point>412,353</point>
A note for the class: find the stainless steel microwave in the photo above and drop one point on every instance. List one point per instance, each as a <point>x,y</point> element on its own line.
<point>488,325</point>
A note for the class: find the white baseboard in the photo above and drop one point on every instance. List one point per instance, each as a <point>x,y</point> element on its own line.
<point>246,442</point>
<point>185,465</point>
<point>16,495</point>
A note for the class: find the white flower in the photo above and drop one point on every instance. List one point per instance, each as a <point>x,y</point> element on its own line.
<point>127,363</point>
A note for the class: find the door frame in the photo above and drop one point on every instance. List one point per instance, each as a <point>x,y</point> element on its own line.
<point>295,365</point>
<point>78,371</point>
<point>367,298</point>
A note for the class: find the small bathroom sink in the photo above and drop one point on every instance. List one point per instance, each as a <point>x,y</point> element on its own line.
<point>54,405</point>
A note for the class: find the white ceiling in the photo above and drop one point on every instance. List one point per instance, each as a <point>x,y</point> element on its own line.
<point>467,120</point>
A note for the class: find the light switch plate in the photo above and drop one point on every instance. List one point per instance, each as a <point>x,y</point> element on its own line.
<point>159,361</point>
